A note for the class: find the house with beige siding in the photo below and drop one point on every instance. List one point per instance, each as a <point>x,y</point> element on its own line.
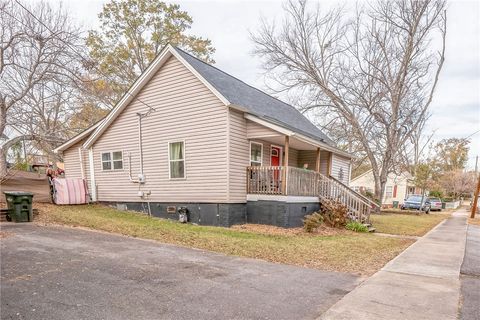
<point>187,134</point>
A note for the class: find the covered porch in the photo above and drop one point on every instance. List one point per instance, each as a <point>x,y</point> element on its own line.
<point>285,165</point>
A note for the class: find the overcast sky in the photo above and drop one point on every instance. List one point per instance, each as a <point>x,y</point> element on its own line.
<point>456,105</point>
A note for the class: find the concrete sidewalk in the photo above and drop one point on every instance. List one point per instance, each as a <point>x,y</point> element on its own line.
<point>421,283</point>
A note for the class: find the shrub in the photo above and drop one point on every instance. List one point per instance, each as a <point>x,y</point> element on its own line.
<point>312,221</point>
<point>335,214</point>
<point>356,226</point>
<point>436,194</point>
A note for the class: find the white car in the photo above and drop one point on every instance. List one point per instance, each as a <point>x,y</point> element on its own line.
<point>435,204</point>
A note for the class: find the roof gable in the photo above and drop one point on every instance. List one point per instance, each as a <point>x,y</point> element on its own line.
<point>138,85</point>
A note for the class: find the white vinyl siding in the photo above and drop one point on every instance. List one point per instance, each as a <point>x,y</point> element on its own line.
<point>71,160</point>
<point>74,161</point>
<point>341,168</point>
<point>239,157</point>
<point>255,130</point>
<point>185,108</point>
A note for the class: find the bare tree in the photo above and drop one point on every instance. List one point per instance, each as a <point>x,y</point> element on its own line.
<point>457,182</point>
<point>372,76</point>
<point>37,67</point>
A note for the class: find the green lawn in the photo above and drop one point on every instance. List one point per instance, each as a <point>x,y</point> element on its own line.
<point>406,224</point>
<point>348,251</point>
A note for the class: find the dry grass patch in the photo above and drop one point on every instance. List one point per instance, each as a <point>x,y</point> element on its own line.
<point>343,251</point>
<point>406,224</point>
<point>475,221</point>
<point>273,230</point>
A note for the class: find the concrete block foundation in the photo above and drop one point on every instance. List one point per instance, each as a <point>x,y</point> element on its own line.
<point>278,213</point>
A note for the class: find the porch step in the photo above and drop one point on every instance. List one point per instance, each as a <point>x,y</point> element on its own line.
<point>369,226</point>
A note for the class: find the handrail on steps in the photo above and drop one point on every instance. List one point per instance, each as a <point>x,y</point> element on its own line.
<point>372,203</point>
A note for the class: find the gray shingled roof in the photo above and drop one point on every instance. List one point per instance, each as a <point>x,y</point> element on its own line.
<point>255,101</point>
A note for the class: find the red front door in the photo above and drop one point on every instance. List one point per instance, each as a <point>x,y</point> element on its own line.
<point>275,162</point>
<point>275,157</point>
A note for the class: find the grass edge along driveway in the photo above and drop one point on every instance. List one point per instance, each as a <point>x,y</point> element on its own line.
<point>362,254</point>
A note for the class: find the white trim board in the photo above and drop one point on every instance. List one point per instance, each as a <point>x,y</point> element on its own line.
<point>67,144</point>
<point>288,199</point>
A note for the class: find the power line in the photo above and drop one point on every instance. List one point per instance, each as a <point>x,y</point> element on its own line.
<point>473,134</point>
<point>79,55</point>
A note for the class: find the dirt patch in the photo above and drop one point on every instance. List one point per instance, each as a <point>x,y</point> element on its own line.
<point>5,234</point>
<point>28,182</point>
<point>278,231</point>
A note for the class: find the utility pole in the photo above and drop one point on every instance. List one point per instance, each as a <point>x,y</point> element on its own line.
<point>475,199</point>
<point>476,166</point>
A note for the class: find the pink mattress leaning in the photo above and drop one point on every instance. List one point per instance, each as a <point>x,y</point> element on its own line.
<point>70,191</point>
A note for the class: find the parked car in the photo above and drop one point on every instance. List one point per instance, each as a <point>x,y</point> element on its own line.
<point>435,204</point>
<point>414,202</point>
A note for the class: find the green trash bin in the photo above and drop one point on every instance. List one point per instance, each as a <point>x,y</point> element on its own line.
<point>19,205</point>
<point>395,204</point>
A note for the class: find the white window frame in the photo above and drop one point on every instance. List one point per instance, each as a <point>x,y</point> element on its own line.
<point>387,196</point>
<point>250,153</point>
<point>280,156</point>
<point>184,160</point>
<point>111,161</point>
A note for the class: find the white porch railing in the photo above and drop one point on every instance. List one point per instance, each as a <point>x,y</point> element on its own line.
<point>301,182</point>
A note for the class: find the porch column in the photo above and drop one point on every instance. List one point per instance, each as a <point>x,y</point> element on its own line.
<point>329,165</point>
<point>317,163</point>
<point>285,166</point>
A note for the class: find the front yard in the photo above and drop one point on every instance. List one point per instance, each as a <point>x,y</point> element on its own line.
<point>335,250</point>
<point>406,224</point>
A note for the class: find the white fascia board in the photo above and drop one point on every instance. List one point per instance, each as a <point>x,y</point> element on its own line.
<point>76,138</point>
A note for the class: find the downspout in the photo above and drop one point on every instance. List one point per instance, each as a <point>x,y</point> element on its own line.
<point>80,156</point>
<point>140,143</point>
<point>93,185</point>
<point>141,177</point>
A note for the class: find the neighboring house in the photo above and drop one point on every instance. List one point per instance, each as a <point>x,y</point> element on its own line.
<point>397,188</point>
<point>210,143</point>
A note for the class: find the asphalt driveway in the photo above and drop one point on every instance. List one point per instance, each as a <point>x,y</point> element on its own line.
<point>67,273</point>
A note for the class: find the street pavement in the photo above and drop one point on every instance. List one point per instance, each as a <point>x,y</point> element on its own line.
<point>470,276</point>
<point>67,273</point>
<point>421,283</point>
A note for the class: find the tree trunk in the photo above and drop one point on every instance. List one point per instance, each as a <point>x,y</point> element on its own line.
<point>3,163</point>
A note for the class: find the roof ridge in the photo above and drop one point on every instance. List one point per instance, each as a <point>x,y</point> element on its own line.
<point>212,66</point>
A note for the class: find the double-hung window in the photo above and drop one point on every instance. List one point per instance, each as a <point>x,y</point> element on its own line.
<point>256,151</point>
<point>176,159</point>
<point>112,160</point>
<point>389,192</point>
